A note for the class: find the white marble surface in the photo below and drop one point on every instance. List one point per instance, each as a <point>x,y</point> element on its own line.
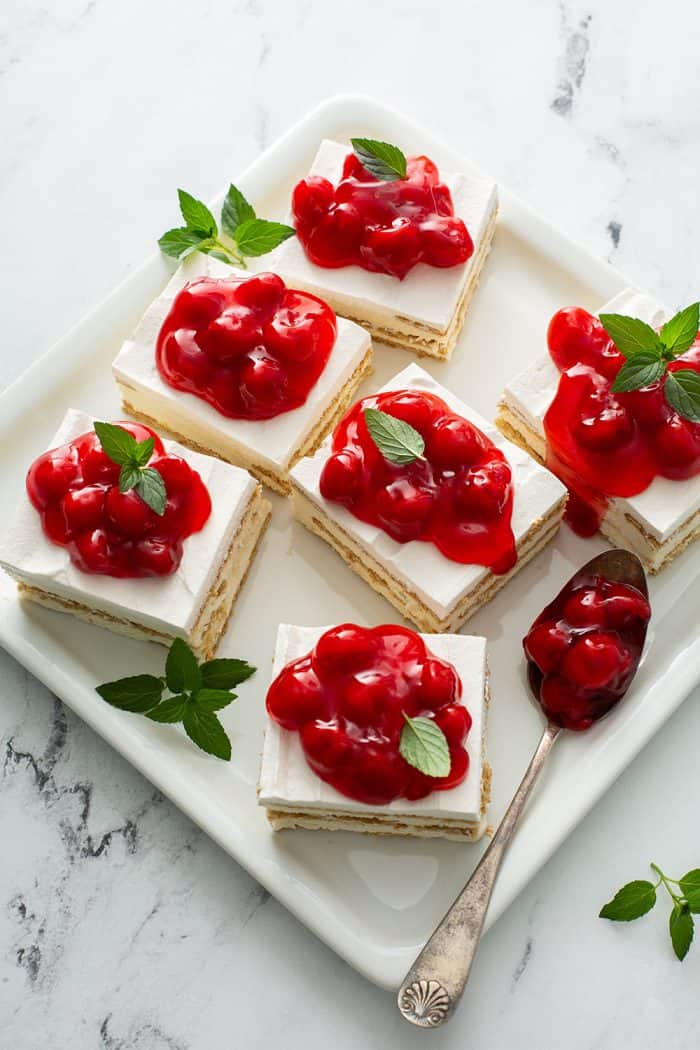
<point>122,927</point>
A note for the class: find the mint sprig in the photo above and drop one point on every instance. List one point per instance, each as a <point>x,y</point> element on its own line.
<point>198,692</point>
<point>242,233</point>
<point>132,456</point>
<point>639,897</point>
<point>386,162</point>
<point>397,440</point>
<point>649,352</point>
<point>424,746</point>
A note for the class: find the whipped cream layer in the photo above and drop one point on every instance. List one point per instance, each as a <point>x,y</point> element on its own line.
<point>665,505</point>
<point>274,441</point>
<point>287,780</point>
<point>439,582</point>
<point>169,604</point>
<point>428,294</point>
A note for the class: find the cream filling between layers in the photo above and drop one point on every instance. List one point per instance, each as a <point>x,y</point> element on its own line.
<point>441,584</point>
<point>666,505</point>
<point>287,782</point>
<point>272,442</point>
<point>169,605</point>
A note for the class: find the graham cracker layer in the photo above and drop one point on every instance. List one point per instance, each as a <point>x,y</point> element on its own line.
<point>240,456</point>
<point>618,526</point>
<point>408,603</point>
<point>408,334</point>
<point>216,608</point>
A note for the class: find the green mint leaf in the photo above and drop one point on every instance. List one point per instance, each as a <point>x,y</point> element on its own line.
<point>260,236</point>
<point>151,489</point>
<point>424,746</point>
<point>206,731</point>
<point>116,442</point>
<point>236,210</point>
<point>679,334</point>
<point>397,441</point>
<point>640,370</point>
<point>682,391</point>
<point>690,888</point>
<point>223,256</point>
<point>630,335</point>
<point>381,159</point>
<point>170,710</point>
<point>137,694</point>
<point>213,699</point>
<point>179,242</point>
<point>143,451</point>
<point>129,477</point>
<point>196,214</point>
<point>631,902</point>
<point>182,672</point>
<point>681,928</point>
<point>225,673</point>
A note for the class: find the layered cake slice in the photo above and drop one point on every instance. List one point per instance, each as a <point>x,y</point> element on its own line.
<point>399,249</point>
<point>426,501</point>
<point>378,730</point>
<point>135,534</point>
<point>241,367</point>
<point>614,409</point>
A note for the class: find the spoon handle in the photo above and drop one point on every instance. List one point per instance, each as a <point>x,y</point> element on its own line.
<point>434,985</point>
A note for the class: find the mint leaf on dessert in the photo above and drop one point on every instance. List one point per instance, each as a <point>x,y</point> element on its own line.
<point>181,668</point>
<point>206,731</point>
<point>137,694</point>
<point>631,902</point>
<point>681,928</point>
<point>132,455</point>
<point>682,391</point>
<point>197,693</point>
<point>143,451</point>
<point>630,335</point>
<point>179,242</point>
<point>235,211</point>
<point>424,746</point>
<point>129,477</point>
<point>397,441</point>
<point>196,214</point>
<point>259,236</point>
<point>642,369</point>
<point>381,159</point>
<point>151,489</point>
<point>680,332</point>
<point>116,442</point>
<point>225,673</point>
<point>690,888</point>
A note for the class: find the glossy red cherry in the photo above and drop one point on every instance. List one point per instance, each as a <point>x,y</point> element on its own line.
<point>263,294</point>
<point>576,337</point>
<point>311,199</point>
<point>445,241</point>
<point>403,508</point>
<point>678,446</point>
<point>455,722</point>
<point>412,407</point>
<point>84,507</point>
<point>454,443</point>
<point>393,249</point>
<point>297,698</point>
<point>440,685</point>
<point>482,492</point>
<point>546,644</point>
<point>344,649</point>
<point>341,478</point>
<point>231,335</point>
<point>605,429</point>
<point>596,660</point>
<point>565,705</point>
<point>50,476</point>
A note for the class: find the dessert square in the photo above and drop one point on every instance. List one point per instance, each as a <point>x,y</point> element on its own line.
<point>294,797</point>
<point>659,523</point>
<point>194,603</point>
<point>425,311</point>
<point>429,589</point>
<point>265,447</point>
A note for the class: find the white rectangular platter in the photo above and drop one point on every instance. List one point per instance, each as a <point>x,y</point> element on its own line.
<point>373,900</point>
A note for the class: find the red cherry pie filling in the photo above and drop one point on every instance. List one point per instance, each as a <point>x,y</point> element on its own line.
<point>347,699</point>
<point>586,646</point>
<point>75,489</point>
<point>385,227</point>
<point>604,444</point>
<point>459,496</point>
<point>250,346</point>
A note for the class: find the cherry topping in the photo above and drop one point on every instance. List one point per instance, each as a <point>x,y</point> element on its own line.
<point>585,647</point>
<point>75,489</point>
<point>604,444</point>
<point>385,227</point>
<point>459,497</point>
<point>347,699</point>
<point>250,346</point>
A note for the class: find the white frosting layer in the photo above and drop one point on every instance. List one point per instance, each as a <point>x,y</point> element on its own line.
<point>285,776</point>
<point>269,441</point>
<point>439,582</point>
<point>427,294</point>
<point>665,505</point>
<point>170,604</point>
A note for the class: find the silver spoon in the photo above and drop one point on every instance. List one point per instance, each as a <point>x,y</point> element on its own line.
<point>433,987</point>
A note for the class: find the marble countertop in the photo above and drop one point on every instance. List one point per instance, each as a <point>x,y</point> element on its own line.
<point>122,926</point>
